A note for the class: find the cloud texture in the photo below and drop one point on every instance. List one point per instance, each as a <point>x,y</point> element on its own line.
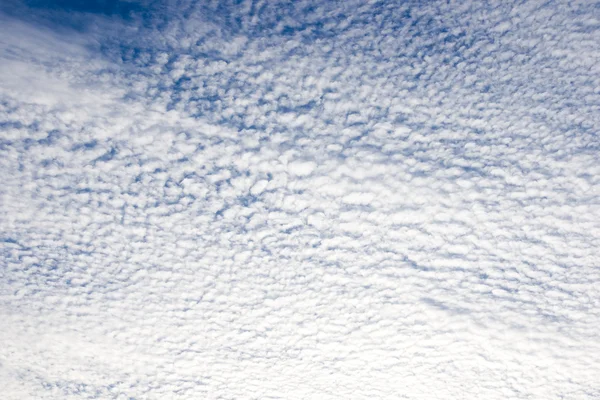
<point>300,200</point>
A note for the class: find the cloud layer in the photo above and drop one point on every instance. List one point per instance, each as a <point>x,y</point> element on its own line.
<point>300,200</point>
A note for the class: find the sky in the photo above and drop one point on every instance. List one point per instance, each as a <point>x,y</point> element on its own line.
<point>299,199</point>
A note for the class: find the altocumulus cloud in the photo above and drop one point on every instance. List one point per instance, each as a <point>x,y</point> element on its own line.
<point>300,200</point>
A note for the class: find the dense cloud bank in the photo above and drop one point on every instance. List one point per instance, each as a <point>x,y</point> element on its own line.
<point>333,200</point>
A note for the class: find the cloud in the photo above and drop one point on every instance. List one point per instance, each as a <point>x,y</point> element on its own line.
<point>306,200</point>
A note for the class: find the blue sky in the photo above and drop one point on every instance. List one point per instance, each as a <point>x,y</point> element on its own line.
<point>299,200</point>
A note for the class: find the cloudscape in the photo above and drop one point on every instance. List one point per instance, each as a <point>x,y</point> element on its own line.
<point>299,199</point>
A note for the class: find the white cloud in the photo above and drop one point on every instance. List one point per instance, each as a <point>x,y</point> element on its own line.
<point>304,201</point>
